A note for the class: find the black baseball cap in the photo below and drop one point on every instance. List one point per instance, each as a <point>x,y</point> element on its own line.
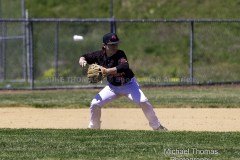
<point>110,38</point>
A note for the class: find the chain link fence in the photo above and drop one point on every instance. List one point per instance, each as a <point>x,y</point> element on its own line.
<point>41,53</point>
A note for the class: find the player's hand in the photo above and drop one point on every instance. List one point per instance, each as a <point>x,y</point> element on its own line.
<point>82,62</point>
<point>104,70</point>
<point>108,71</point>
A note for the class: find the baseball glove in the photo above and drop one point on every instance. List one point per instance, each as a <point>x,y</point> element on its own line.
<point>95,73</point>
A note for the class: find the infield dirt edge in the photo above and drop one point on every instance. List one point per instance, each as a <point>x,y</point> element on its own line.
<point>175,119</point>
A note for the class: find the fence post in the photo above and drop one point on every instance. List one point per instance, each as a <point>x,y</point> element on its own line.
<point>111,8</point>
<point>27,48</point>
<point>113,22</point>
<point>2,52</point>
<point>56,49</point>
<point>24,57</point>
<point>30,56</point>
<point>191,52</point>
<point>113,26</point>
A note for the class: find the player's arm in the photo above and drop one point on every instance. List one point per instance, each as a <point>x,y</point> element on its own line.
<point>88,58</point>
<point>109,71</point>
<point>121,67</point>
<point>122,63</point>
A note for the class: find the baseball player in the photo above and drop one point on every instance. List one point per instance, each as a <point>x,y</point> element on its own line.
<point>121,82</point>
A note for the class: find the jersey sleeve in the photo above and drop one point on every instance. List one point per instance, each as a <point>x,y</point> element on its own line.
<point>122,63</point>
<point>91,57</point>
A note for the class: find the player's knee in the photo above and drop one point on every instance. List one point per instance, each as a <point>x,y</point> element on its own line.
<point>95,103</point>
<point>140,101</point>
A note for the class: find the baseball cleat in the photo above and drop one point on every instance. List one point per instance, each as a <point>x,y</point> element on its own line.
<point>161,129</point>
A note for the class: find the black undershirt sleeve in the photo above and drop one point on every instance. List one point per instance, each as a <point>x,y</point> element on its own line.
<point>122,63</point>
<point>91,57</point>
<point>122,67</point>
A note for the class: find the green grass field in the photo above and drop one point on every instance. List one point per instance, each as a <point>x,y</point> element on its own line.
<point>195,97</point>
<point>120,144</point>
<point>163,53</point>
<point>115,144</point>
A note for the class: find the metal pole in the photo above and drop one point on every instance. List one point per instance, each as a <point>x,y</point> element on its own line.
<point>31,55</point>
<point>27,48</point>
<point>111,14</point>
<point>191,52</point>
<point>1,16</point>
<point>2,52</point>
<point>56,49</point>
<point>113,26</point>
<point>30,58</point>
<point>112,23</point>
<point>111,8</point>
<point>24,49</point>
<point>1,56</point>
<point>23,8</point>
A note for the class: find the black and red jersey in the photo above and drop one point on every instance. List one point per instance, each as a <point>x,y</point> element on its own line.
<point>118,60</point>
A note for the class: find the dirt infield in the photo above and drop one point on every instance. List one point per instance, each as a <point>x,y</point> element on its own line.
<point>188,119</point>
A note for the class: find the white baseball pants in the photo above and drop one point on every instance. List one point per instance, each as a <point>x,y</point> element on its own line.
<point>130,90</point>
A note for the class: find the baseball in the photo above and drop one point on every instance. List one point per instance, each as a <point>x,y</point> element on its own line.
<point>77,38</point>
